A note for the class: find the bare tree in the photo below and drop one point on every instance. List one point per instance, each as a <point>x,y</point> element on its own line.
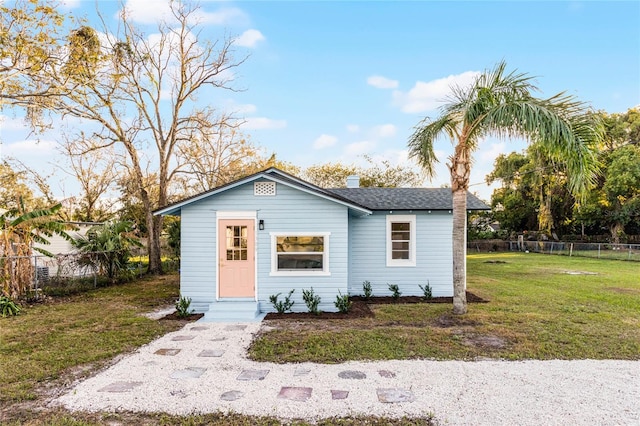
<point>96,172</point>
<point>139,93</point>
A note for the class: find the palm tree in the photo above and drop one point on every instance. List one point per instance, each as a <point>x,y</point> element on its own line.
<point>19,230</point>
<point>502,104</point>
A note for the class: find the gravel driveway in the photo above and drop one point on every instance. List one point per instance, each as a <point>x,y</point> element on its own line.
<point>203,368</point>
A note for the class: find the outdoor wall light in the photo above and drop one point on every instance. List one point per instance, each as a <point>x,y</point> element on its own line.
<point>261,224</point>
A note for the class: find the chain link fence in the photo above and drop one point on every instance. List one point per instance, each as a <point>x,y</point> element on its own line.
<point>69,273</point>
<point>594,250</point>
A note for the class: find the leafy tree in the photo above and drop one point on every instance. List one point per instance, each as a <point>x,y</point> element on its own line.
<point>107,247</point>
<point>137,91</point>
<point>14,190</point>
<point>502,104</point>
<point>334,175</point>
<point>19,230</point>
<point>29,42</point>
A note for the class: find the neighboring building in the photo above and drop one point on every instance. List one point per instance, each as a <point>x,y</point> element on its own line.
<point>62,263</point>
<point>271,232</point>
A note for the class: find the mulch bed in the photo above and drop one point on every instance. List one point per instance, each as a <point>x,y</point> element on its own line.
<point>189,318</point>
<point>360,307</point>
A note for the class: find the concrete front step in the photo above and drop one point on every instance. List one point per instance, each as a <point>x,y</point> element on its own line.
<point>233,311</point>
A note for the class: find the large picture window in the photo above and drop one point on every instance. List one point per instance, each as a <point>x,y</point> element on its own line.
<point>296,254</point>
<point>401,240</point>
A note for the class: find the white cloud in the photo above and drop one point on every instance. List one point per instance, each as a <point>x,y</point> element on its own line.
<point>245,108</point>
<point>353,128</point>
<point>324,141</point>
<point>32,147</point>
<point>381,82</point>
<point>152,11</point>
<point>8,123</point>
<point>250,38</point>
<point>427,96</point>
<point>359,148</point>
<point>256,123</point>
<point>384,131</point>
<point>487,155</point>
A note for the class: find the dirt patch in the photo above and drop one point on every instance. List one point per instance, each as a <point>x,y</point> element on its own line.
<point>175,317</point>
<point>360,307</point>
<point>450,320</point>
<point>580,273</point>
<point>494,261</point>
<point>624,290</point>
<point>485,341</point>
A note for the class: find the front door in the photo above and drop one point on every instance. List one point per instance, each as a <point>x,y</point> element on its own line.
<point>236,258</point>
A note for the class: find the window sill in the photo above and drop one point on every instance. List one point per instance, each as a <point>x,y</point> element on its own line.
<point>401,264</point>
<point>299,274</point>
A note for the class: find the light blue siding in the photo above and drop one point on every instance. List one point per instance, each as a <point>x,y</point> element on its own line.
<point>434,257</point>
<point>289,211</point>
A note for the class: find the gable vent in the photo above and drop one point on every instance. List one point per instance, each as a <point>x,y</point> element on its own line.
<point>263,189</point>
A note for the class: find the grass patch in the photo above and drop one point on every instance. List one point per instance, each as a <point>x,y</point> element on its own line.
<point>542,307</point>
<point>60,418</point>
<point>49,339</point>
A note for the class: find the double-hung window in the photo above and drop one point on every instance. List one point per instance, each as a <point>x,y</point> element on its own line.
<point>401,240</point>
<point>300,254</point>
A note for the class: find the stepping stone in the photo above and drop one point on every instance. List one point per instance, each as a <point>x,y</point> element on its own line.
<point>352,374</point>
<point>149,364</point>
<point>386,374</point>
<point>301,372</point>
<point>247,375</point>
<point>178,393</point>
<point>235,327</point>
<point>199,328</point>
<point>218,339</point>
<point>394,395</point>
<point>339,394</point>
<point>231,395</point>
<point>188,373</point>
<point>167,352</point>
<point>295,393</point>
<point>117,387</point>
<point>214,353</point>
<point>182,338</point>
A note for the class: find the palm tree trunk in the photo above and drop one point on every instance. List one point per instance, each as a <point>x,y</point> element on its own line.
<point>459,251</point>
<point>460,169</point>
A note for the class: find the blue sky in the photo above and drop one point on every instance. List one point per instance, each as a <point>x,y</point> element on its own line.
<point>332,81</point>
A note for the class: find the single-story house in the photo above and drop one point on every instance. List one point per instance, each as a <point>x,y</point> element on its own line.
<point>271,232</point>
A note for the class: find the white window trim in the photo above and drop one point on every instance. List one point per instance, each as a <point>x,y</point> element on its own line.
<point>412,243</point>
<point>301,273</point>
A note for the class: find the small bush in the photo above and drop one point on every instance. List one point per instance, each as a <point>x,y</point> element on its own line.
<point>182,307</point>
<point>282,306</point>
<point>426,291</point>
<point>367,290</point>
<point>8,308</point>
<point>312,300</point>
<point>342,302</point>
<point>395,291</point>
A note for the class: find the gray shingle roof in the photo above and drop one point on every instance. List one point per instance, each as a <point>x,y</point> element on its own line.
<point>406,198</point>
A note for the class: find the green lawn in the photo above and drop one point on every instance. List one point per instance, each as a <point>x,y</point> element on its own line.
<point>536,310</point>
<point>52,344</point>
<point>541,307</point>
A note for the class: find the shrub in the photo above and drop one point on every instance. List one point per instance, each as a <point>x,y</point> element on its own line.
<point>312,300</point>
<point>395,291</point>
<point>282,306</point>
<point>426,291</point>
<point>367,290</point>
<point>182,307</point>
<point>8,308</point>
<point>342,302</point>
